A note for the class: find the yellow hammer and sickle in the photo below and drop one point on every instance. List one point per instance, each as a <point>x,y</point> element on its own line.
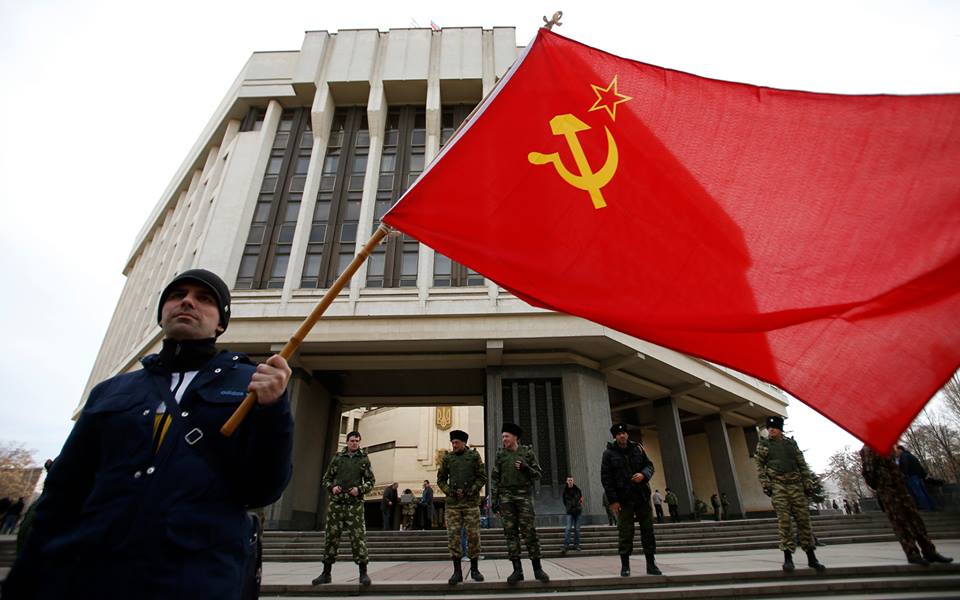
<point>568,126</point>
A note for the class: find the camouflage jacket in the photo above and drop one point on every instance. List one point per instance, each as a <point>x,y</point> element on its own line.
<point>781,461</point>
<point>881,472</point>
<point>349,471</point>
<point>506,478</point>
<point>462,472</point>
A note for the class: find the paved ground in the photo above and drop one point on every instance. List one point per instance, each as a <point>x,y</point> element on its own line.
<point>575,567</point>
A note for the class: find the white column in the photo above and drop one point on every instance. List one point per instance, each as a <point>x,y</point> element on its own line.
<point>376,122</point>
<point>488,81</point>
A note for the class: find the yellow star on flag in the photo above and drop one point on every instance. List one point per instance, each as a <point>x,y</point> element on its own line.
<point>608,98</point>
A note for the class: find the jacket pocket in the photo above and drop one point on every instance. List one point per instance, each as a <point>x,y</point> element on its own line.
<point>233,395</point>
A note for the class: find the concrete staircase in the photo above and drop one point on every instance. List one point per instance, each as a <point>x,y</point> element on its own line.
<point>8,550</point>
<point>877,583</point>
<point>748,534</point>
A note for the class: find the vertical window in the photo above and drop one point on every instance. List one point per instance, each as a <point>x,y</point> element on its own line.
<point>536,405</point>
<point>254,120</point>
<point>336,216</point>
<point>394,263</point>
<point>447,273</point>
<point>267,251</point>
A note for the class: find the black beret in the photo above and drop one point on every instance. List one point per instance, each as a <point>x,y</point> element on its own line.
<point>617,428</point>
<point>457,434</point>
<point>775,422</point>
<point>512,428</point>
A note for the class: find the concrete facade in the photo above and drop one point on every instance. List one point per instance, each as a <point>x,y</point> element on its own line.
<point>421,346</point>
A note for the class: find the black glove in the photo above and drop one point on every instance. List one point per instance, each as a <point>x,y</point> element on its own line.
<point>768,491</point>
<point>523,466</point>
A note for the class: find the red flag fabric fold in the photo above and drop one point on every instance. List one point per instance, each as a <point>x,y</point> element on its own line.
<point>811,240</point>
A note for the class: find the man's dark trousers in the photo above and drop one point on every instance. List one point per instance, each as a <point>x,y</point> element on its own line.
<point>642,514</point>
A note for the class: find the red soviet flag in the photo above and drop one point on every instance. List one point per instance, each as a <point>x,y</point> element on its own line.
<point>811,240</point>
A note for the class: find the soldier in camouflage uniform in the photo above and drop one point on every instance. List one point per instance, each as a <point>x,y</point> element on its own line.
<point>515,469</point>
<point>625,472</point>
<point>461,477</point>
<point>348,478</point>
<point>788,481</point>
<point>883,475</point>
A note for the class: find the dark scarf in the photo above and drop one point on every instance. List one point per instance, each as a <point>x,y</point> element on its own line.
<point>187,355</point>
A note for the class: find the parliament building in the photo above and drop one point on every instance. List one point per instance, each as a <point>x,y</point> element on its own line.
<point>290,176</point>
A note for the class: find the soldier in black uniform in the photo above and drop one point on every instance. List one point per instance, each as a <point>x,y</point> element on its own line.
<point>625,473</point>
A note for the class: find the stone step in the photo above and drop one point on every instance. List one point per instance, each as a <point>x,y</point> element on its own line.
<point>605,530</point>
<point>401,554</point>
<point>886,581</point>
<point>823,524</point>
<point>432,545</point>
<point>494,536</point>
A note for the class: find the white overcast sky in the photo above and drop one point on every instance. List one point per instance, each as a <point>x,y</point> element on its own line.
<point>101,100</point>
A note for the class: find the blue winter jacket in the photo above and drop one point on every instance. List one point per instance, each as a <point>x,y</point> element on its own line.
<point>118,521</point>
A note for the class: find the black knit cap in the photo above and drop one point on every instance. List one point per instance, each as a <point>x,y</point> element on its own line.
<point>617,428</point>
<point>209,279</point>
<point>775,422</point>
<point>512,428</point>
<point>457,434</point>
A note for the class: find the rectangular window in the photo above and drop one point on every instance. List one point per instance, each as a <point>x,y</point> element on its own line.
<point>254,120</point>
<point>270,240</point>
<point>381,447</point>
<point>536,405</point>
<point>394,263</point>
<point>336,216</point>
<point>447,273</point>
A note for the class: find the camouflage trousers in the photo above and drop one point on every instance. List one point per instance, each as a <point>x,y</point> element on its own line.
<point>792,505</point>
<point>346,517</point>
<point>643,515</point>
<point>409,509</point>
<point>468,517</point>
<point>906,522</point>
<point>518,521</point>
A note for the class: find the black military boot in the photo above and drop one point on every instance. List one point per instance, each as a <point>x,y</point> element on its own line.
<point>538,571</point>
<point>475,570</point>
<point>624,565</point>
<point>364,578</point>
<point>916,559</point>
<point>325,576</point>
<point>937,557</point>
<point>788,561</point>
<point>457,576</point>
<point>517,574</point>
<point>813,563</point>
<point>652,568</point>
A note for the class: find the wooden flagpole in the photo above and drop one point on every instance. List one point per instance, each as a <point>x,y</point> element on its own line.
<point>295,340</point>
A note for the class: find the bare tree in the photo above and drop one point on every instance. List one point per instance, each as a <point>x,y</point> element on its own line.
<point>951,397</point>
<point>18,471</point>
<point>843,466</point>
<point>947,446</point>
<point>936,443</point>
